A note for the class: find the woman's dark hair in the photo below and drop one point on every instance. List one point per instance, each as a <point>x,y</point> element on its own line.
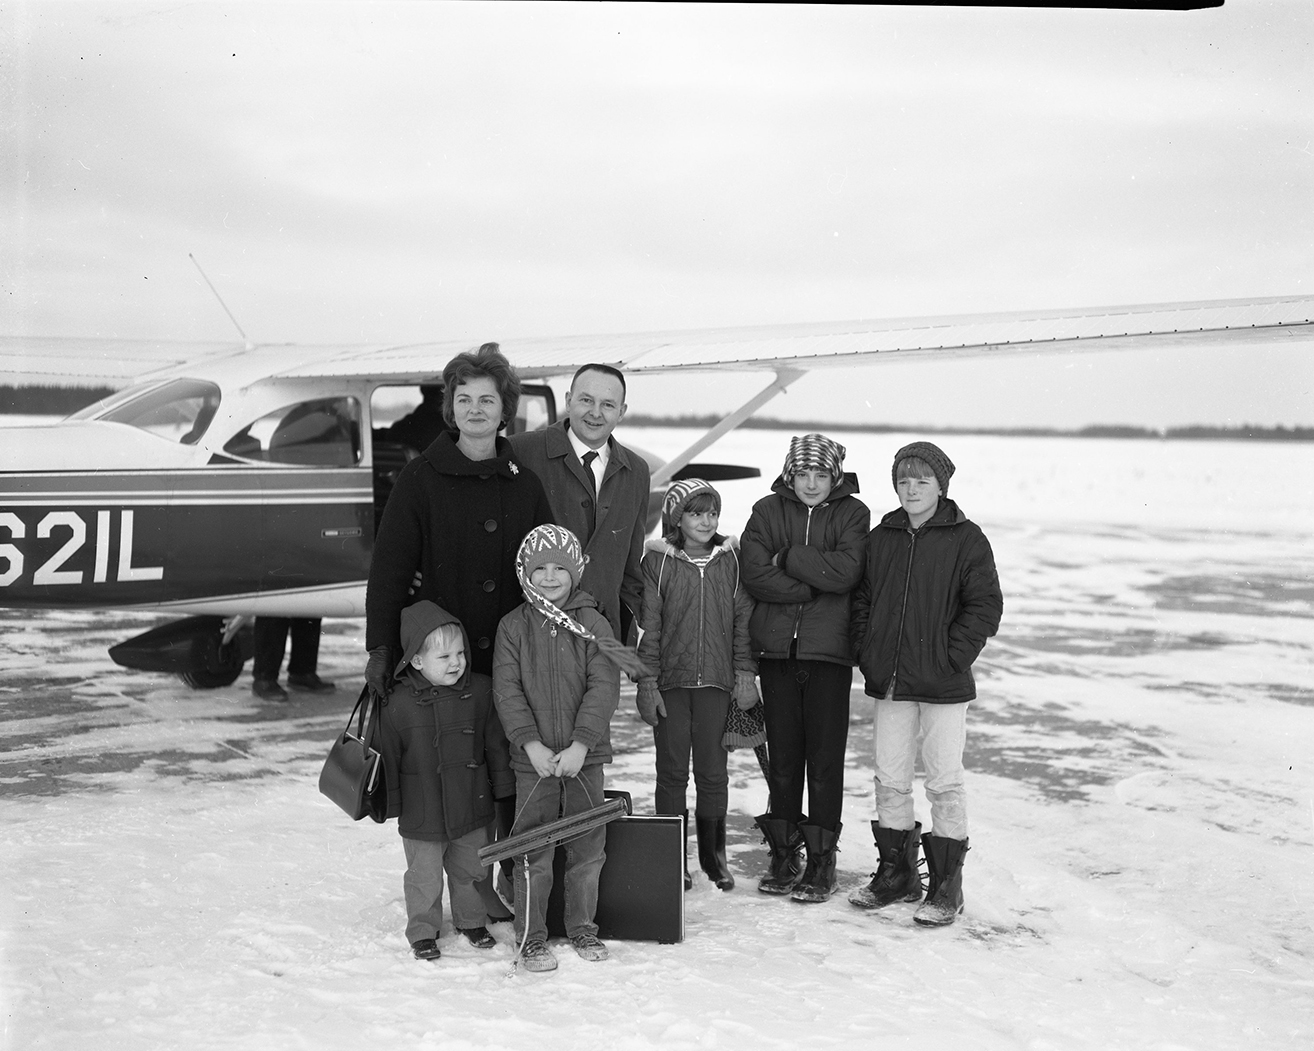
<point>487,362</point>
<point>699,502</point>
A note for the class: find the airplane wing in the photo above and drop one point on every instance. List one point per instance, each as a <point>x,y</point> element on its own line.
<point>791,349</point>
<point>828,344</point>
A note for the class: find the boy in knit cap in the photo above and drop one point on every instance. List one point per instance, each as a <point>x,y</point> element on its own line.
<point>801,554</point>
<point>446,759</point>
<point>928,601</point>
<point>556,686</point>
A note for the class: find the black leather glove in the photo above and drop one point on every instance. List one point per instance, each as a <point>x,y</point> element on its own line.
<point>378,671</point>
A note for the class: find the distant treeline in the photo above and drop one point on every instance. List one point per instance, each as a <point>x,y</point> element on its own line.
<point>49,400</point>
<point>1196,431</point>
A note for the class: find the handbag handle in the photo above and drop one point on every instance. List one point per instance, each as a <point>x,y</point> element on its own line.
<point>364,719</point>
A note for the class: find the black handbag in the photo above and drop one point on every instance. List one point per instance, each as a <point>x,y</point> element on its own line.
<point>353,774</point>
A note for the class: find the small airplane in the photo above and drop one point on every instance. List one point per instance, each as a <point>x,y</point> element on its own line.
<point>232,480</point>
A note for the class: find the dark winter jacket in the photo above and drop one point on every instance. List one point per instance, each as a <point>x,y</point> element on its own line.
<point>459,522</point>
<point>695,620</point>
<point>805,596</point>
<point>614,541</point>
<point>445,756</point>
<point>928,601</point>
<point>553,686</point>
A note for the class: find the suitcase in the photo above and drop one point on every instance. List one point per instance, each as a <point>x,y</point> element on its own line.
<point>641,887</point>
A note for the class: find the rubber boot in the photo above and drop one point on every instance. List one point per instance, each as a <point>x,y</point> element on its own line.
<point>896,878</point>
<point>786,846</point>
<point>711,851</point>
<point>818,880</point>
<point>944,893</point>
<point>688,879</point>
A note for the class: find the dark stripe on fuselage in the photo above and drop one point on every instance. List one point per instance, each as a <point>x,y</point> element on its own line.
<point>143,537</point>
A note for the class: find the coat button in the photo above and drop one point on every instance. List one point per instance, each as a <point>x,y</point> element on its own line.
<point>491,525</point>
<point>483,643</point>
<point>489,585</point>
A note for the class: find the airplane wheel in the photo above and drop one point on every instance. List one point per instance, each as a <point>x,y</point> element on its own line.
<point>214,664</point>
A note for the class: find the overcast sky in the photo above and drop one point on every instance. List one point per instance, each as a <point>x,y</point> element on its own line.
<point>414,171</point>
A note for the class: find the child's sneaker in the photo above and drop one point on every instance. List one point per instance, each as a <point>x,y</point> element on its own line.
<point>589,947</point>
<point>426,949</point>
<point>479,937</point>
<point>538,957</point>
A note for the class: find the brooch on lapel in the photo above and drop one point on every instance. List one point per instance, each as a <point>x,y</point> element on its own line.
<point>512,465</point>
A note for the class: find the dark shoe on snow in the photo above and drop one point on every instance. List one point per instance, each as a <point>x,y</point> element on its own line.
<point>818,882</point>
<point>897,877</point>
<point>711,851</point>
<point>478,937</point>
<point>786,846</point>
<point>310,683</point>
<point>268,690</point>
<point>944,891</point>
<point>426,949</point>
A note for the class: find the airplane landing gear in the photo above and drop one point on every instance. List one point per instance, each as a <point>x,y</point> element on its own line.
<point>205,652</point>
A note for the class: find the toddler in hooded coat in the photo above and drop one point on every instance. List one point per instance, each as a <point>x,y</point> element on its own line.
<point>446,759</point>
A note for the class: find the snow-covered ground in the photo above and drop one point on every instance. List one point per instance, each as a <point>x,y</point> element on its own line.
<point>1141,796</point>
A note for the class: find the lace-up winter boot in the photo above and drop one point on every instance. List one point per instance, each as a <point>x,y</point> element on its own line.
<point>711,851</point>
<point>786,845</point>
<point>818,880</point>
<point>896,878</point>
<point>944,893</point>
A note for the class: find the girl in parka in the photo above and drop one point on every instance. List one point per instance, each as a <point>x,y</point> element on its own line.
<point>695,634</point>
<point>802,555</point>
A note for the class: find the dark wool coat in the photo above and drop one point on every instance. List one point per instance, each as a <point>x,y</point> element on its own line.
<point>445,756</point>
<point>551,685</point>
<point>460,523</point>
<point>695,621</point>
<point>806,595</point>
<point>614,545</point>
<point>928,601</point>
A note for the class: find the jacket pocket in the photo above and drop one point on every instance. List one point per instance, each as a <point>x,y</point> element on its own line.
<point>412,809</point>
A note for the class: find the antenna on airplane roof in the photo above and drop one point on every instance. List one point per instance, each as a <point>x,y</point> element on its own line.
<point>249,344</point>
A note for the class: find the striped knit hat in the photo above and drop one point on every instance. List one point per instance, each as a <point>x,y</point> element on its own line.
<point>552,543</point>
<point>813,452</point>
<point>941,466</point>
<point>677,496</point>
<point>549,543</point>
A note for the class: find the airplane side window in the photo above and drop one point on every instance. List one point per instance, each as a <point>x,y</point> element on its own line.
<point>320,433</point>
<point>178,411</point>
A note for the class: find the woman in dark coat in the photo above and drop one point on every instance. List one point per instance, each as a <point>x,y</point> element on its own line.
<point>456,516</point>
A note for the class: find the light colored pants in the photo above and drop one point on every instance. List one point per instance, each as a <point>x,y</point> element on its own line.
<point>423,883</point>
<point>941,732</point>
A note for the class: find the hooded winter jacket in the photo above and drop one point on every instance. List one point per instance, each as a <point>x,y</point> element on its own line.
<point>928,600</point>
<point>445,756</point>
<point>459,522</point>
<point>695,619</point>
<point>554,686</point>
<point>805,596</point>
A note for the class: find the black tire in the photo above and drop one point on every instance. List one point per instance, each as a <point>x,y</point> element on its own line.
<point>214,664</point>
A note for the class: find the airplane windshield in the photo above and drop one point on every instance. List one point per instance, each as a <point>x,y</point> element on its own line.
<point>178,411</point>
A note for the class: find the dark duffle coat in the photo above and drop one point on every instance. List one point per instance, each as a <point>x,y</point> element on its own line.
<point>445,757</point>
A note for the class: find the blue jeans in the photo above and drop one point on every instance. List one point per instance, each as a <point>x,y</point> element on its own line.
<point>539,801</point>
<point>695,721</point>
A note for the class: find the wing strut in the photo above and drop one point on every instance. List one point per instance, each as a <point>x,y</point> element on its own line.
<point>784,377</point>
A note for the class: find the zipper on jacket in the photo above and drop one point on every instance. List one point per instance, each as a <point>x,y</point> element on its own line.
<point>903,609</point>
<point>807,535</point>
